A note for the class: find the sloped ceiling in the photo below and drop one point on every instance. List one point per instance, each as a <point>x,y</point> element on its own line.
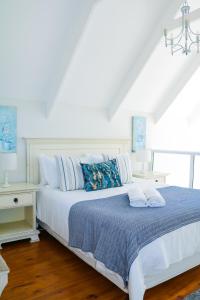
<point>38,39</point>
<point>162,78</point>
<point>115,35</point>
<point>160,82</point>
<point>101,54</point>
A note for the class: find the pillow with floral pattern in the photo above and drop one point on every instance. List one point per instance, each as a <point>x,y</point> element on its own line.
<point>101,175</point>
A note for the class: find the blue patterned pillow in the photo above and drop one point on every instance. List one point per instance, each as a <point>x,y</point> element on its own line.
<point>101,176</point>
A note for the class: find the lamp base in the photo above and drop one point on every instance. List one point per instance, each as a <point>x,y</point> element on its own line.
<point>5,185</point>
<point>144,168</point>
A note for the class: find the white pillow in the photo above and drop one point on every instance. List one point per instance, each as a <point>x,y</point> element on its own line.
<point>52,174</point>
<point>70,173</point>
<point>124,165</point>
<point>92,158</point>
<point>49,174</point>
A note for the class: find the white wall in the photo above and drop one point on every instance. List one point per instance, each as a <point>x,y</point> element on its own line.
<point>179,128</point>
<point>65,123</point>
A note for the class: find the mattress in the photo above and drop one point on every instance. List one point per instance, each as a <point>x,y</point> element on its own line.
<point>53,208</point>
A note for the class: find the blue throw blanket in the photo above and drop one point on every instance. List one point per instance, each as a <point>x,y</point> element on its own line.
<point>115,232</point>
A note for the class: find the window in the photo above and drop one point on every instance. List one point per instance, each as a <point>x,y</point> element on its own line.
<point>196,183</point>
<point>176,165</point>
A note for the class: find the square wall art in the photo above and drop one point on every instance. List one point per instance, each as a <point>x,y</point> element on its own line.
<point>8,129</point>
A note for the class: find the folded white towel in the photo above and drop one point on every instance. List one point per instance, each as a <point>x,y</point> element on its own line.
<point>154,198</point>
<point>137,197</point>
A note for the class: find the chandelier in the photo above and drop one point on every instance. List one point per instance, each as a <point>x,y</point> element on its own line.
<point>186,39</point>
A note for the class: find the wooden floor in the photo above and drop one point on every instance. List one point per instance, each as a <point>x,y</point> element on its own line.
<point>48,271</point>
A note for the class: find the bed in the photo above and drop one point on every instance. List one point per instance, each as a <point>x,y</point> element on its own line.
<point>162,259</point>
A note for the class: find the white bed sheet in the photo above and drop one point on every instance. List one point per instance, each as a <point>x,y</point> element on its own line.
<point>53,208</point>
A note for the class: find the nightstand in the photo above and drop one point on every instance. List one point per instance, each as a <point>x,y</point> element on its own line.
<point>154,177</point>
<point>18,213</point>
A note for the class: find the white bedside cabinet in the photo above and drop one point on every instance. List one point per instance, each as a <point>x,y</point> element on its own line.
<point>18,213</point>
<point>154,177</point>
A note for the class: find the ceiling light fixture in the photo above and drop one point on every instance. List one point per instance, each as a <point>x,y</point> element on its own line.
<point>186,38</point>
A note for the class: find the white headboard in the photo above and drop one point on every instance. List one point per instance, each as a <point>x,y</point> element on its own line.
<point>35,147</point>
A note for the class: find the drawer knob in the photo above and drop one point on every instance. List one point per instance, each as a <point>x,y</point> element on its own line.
<point>15,200</point>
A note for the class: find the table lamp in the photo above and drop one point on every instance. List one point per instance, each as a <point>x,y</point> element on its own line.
<point>8,162</point>
<point>144,157</point>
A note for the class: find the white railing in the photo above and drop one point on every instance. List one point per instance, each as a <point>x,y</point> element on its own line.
<point>190,155</point>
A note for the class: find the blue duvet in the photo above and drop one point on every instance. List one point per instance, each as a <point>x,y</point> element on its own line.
<point>115,232</point>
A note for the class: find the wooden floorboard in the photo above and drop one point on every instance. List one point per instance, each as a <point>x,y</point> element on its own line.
<point>48,271</point>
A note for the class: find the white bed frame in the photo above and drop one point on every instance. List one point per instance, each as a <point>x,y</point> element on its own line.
<point>35,147</point>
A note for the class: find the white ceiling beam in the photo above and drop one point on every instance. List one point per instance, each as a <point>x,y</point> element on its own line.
<point>176,86</point>
<point>138,64</point>
<point>56,98</point>
<point>194,16</point>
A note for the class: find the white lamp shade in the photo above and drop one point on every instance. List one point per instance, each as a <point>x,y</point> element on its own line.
<point>8,161</point>
<point>143,156</point>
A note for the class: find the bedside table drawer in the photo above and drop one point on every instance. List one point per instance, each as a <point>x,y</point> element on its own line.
<point>15,200</point>
<point>160,180</point>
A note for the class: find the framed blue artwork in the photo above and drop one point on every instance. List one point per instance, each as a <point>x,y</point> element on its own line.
<point>8,129</point>
<point>138,133</point>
